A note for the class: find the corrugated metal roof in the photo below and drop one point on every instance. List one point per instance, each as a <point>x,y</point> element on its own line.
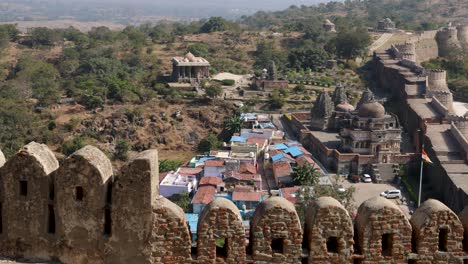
<point>280,146</point>
<point>277,157</point>
<point>294,151</point>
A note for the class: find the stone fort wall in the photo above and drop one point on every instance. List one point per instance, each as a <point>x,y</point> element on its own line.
<point>82,211</point>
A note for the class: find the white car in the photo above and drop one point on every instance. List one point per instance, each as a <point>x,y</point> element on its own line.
<point>366,178</point>
<point>340,189</point>
<point>391,194</point>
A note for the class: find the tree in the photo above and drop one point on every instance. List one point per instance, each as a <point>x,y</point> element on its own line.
<point>214,90</point>
<point>199,50</point>
<point>233,124</point>
<point>169,165</point>
<point>276,101</point>
<point>305,175</point>
<point>69,147</point>
<point>350,44</point>
<point>308,57</point>
<point>208,143</point>
<point>182,200</point>
<point>43,36</point>
<point>215,24</point>
<point>267,52</point>
<point>121,149</point>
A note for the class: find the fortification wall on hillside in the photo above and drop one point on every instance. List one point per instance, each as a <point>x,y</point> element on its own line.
<point>448,42</point>
<point>426,46</point>
<point>84,212</point>
<point>462,34</point>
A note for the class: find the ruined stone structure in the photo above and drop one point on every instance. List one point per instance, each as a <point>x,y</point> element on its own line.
<point>190,68</point>
<point>329,26</point>
<point>269,80</point>
<point>104,216</point>
<point>386,24</point>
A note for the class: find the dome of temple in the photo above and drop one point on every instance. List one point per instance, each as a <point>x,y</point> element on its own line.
<point>190,57</point>
<point>344,107</point>
<point>372,110</point>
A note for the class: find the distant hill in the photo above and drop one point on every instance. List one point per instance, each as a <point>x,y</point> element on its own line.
<point>409,14</point>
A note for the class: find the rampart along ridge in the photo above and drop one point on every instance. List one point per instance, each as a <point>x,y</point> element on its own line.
<point>82,211</point>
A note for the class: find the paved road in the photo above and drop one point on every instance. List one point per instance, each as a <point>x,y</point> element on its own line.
<point>365,191</point>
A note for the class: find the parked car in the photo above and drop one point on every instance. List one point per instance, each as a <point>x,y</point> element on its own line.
<point>366,178</point>
<point>340,189</point>
<point>391,194</point>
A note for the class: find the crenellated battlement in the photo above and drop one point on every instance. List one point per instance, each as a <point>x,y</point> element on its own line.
<point>82,211</point>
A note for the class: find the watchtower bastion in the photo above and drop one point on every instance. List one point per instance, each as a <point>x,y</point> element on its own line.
<point>82,211</point>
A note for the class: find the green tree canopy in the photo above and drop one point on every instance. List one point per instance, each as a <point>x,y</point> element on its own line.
<point>233,124</point>
<point>350,44</point>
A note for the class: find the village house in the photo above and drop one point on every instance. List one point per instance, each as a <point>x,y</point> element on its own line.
<point>175,183</point>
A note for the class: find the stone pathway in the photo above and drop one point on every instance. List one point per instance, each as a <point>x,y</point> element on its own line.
<point>379,42</point>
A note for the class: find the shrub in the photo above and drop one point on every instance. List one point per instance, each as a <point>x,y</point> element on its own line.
<point>69,147</point>
<point>228,82</point>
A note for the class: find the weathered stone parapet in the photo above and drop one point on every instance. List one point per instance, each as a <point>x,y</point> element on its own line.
<point>82,185</point>
<point>383,232</point>
<point>276,233</point>
<point>126,221</point>
<point>221,234</point>
<point>134,192</point>
<point>437,231</point>
<point>28,219</point>
<point>328,232</point>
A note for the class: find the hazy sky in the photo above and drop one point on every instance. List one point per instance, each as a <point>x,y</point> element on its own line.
<point>99,9</point>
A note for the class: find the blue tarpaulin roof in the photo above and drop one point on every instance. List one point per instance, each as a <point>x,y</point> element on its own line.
<point>277,157</point>
<point>294,151</point>
<point>281,146</point>
<point>238,139</point>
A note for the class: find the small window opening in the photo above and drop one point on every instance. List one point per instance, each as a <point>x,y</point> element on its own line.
<point>443,237</point>
<point>221,248</point>
<point>107,222</point>
<point>356,246</point>
<point>357,261</point>
<point>414,247</point>
<point>51,220</point>
<point>305,238</point>
<point>412,261</point>
<point>1,218</point>
<point>109,193</point>
<point>79,193</point>
<point>332,245</point>
<point>277,245</point>
<point>465,261</point>
<point>387,244</point>
<point>24,188</point>
<point>51,191</point>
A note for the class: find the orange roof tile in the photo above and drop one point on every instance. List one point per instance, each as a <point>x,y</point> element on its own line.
<point>246,167</point>
<point>260,141</point>
<point>281,169</point>
<point>214,163</point>
<point>245,195</point>
<point>204,195</point>
<point>184,171</point>
<point>287,193</point>
<point>210,180</point>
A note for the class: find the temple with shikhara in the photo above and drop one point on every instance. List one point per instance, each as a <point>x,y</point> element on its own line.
<point>190,68</point>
